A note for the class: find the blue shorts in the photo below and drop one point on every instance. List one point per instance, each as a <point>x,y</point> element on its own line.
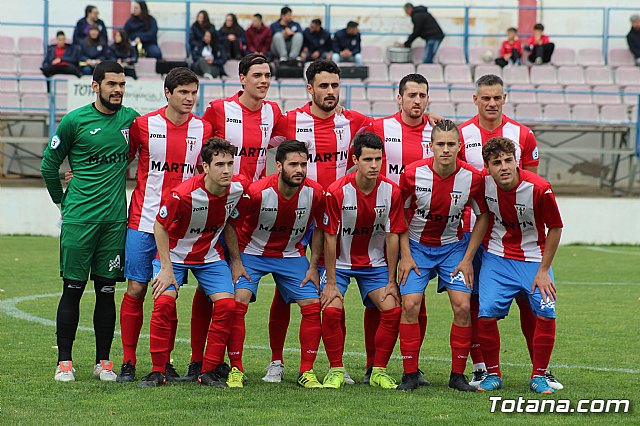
<point>368,279</point>
<point>308,236</point>
<point>214,277</point>
<point>436,261</point>
<point>502,279</point>
<point>477,263</point>
<point>139,253</point>
<point>287,272</point>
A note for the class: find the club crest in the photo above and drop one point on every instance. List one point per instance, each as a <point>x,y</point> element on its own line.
<point>520,208</point>
<point>301,212</point>
<point>125,133</point>
<point>425,149</point>
<point>456,196</point>
<point>339,131</point>
<point>380,210</point>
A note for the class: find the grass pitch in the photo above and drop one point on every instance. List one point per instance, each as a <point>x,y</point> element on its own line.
<point>597,356</point>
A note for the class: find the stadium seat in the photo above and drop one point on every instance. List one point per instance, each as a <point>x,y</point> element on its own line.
<point>30,65</point>
<point>615,114</point>
<point>416,54</point>
<point>529,112</point>
<point>515,74</point>
<point>445,109</point>
<point>379,93</point>
<point>363,107</point>
<point>544,74</point>
<point>598,75</point>
<point>461,93</point>
<point>606,99</point>
<point>555,97</point>
<point>61,102</point>
<point>33,86</point>
<point>432,72</point>
<point>476,55</point>
<point>173,50</point>
<point>620,57</point>
<point>631,95</point>
<point>509,110</point>
<point>484,69</point>
<point>231,68</point>
<point>212,92</point>
<point>466,110</point>
<point>59,83</point>
<point>457,74</point>
<point>627,76</point>
<point>384,108</point>
<point>146,67</point>
<point>291,88</point>
<point>8,65</point>
<point>9,101</point>
<point>397,71</point>
<point>439,93</point>
<point>30,46</point>
<point>570,75</point>
<point>372,54</point>
<point>7,45</point>
<point>586,113</point>
<point>557,112</point>
<point>590,57</point>
<point>578,98</point>
<point>378,72</point>
<point>563,56</point>
<point>450,55</point>
<point>291,104</point>
<point>231,89</point>
<point>34,103</point>
<point>10,85</point>
<point>516,96</point>
<point>358,92</point>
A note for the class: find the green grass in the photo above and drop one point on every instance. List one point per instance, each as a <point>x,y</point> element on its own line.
<point>597,356</point>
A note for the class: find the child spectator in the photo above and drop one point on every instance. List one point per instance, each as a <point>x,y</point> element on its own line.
<point>91,15</point>
<point>143,30</point>
<point>258,37</point>
<point>232,37</point>
<point>124,53</point>
<point>346,44</point>
<point>539,46</point>
<point>511,50</point>
<point>317,42</point>
<point>208,57</point>
<point>198,28</point>
<point>93,51</point>
<point>61,58</point>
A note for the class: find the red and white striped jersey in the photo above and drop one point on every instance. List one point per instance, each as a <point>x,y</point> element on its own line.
<point>250,132</point>
<point>327,140</point>
<point>273,226</point>
<point>403,144</point>
<point>167,156</point>
<point>518,217</point>
<point>434,205</point>
<point>194,219</point>
<point>362,221</point>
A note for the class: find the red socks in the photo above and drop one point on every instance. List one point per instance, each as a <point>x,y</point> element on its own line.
<point>460,340</point>
<point>476,352</point>
<point>218,336</point>
<point>543,342</point>
<point>131,318</point>
<point>371,323</point>
<point>200,319</point>
<point>279,317</point>
<point>527,323</point>
<point>422,319</point>
<point>410,346</point>
<point>387,336</point>
<point>343,326</point>
<point>332,336</point>
<point>310,332</point>
<point>164,310</point>
<point>489,335</point>
<point>236,338</point>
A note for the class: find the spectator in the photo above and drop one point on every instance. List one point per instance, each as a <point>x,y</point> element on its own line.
<point>317,42</point>
<point>91,15</point>
<point>143,30</point>
<point>511,49</point>
<point>124,53</point>
<point>425,26</point>
<point>61,58</point>
<point>93,51</point>
<point>287,36</point>
<point>198,28</point>
<point>633,38</point>
<point>232,37</point>
<point>346,44</point>
<point>259,37</point>
<point>208,57</point>
<point>539,46</point>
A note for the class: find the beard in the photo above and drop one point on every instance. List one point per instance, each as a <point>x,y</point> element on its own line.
<point>109,105</point>
<point>323,105</point>
<point>287,179</point>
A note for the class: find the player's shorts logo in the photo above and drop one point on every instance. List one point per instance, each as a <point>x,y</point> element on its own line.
<point>301,212</point>
<point>549,304</point>
<point>55,142</point>
<point>380,210</point>
<point>520,208</point>
<point>163,212</point>
<point>456,196</point>
<point>115,263</point>
<point>125,133</point>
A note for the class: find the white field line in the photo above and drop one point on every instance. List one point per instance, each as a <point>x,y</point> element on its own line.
<point>9,307</point>
<point>613,251</point>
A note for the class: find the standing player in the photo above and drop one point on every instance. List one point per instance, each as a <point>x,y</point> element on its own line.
<point>187,231</point>
<point>490,122</point>
<point>167,143</point>
<point>277,212</point>
<point>364,216</point>
<point>436,191</point>
<point>517,259</point>
<point>95,138</point>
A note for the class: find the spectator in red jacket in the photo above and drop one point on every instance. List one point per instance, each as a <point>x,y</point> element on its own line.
<point>258,37</point>
<point>539,45</point>
<point>61,58</point>
<point>511,49</point>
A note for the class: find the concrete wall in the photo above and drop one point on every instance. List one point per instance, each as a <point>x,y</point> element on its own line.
<point>587,220</point>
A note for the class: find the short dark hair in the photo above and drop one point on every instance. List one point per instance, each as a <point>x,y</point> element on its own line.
<point>408,6</point>
<point>60,33</point>
<point>319,66</point>
<point>538,26</point>
<point>488,80</point>
<point>257,15</point>
<point>366,140</point>
<point>415,78</point>
<point>512,30</point>
<point>290,146</point>
<point>104,67</point>
<point>180,76</point>
<point>285,10</point>
<point>317,22</point>
<point>445,126</point>
<point>496,146</point>
<point>88,10</point>
<point>248,61</point>
<point>216,146</point>
<point>352,24</point>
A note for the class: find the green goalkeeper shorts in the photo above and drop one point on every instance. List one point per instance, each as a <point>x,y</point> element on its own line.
<point>92,249</point>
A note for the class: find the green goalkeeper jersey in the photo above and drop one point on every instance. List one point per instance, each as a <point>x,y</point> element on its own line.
<point>97,145</point>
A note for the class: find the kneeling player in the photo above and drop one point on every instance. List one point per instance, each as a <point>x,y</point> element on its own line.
<point>187,230</point>
<point>363,216</point>
<point>436,191</point>
<point>517,259</point>
<point>277,212</point>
